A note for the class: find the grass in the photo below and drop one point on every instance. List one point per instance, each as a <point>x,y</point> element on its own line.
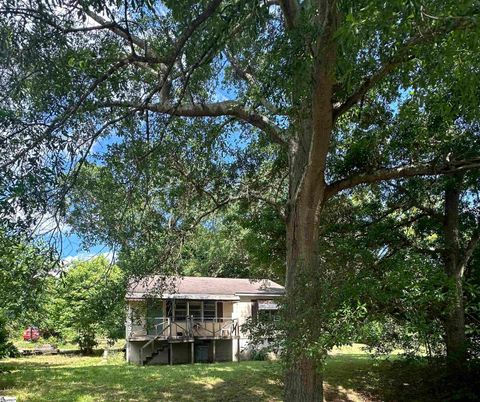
<point>350,375</point>
<point>397,380</point>
<point>85,379</point>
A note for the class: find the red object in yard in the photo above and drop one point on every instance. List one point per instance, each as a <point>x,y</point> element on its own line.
<point>31,334</point>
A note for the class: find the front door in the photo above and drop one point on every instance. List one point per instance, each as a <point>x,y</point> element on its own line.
<point>201,352</point>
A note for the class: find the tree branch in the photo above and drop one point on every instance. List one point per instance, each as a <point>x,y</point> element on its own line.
<point>226,108</point>
<point>290,9</point>
<point>429,169</point>
<point>182,40</point>
<point>60,120</point>
<point>469,249</point>
<point>150,56</point>
<point>403,55</point>
<point>250,79</point>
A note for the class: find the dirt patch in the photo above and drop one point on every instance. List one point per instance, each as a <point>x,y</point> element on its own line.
<point>341,394</point>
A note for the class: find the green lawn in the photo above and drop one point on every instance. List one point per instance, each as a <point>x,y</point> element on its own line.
<point>63,378</point>
<point>349,376</point>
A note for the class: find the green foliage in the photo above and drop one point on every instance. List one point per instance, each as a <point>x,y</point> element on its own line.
<point>238,244</point>
<point>7,349</point>
<point>395,233</point>
<point>24,268</point>
<point>472,311</point>
<point>215,251</point>
<point>87,302</point>
<point>259,354</point>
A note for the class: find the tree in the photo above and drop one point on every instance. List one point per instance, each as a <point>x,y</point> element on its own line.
<point>423,234</point>
<point>305,77</point>
<point>456,257</point>
<point>445,228</point>
<point>24,269</point>
<point>87,302</point>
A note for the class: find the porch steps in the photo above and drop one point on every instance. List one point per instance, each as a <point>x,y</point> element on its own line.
<point>148,359</point>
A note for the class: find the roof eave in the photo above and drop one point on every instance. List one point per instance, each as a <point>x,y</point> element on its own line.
<point>189,296</point>
<point>266,294</point>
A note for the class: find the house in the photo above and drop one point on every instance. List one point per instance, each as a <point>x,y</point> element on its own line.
<point>193,319</point>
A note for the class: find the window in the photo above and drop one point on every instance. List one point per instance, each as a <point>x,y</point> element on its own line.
<point>155,308</point>
<point>268,315</point>
<point>195,309</point>
<point>267,310</point>
<point>180,310</point>
<point>209,310</point>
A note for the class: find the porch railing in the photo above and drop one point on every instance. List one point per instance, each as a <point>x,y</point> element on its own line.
<point>216,327</point>
<point>190,327</point>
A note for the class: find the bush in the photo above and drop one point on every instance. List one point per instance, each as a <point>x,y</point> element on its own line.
<point>7,349</point>
<point>86,341</point>
<point>259,354</point>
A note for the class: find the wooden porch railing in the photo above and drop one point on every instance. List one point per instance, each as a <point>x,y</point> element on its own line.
<point>217,327</point>
<point>190,327</point>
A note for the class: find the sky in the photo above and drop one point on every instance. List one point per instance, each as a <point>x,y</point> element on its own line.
<point>72,249</point>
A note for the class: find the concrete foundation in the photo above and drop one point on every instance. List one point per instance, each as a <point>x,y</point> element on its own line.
<point>204,351</point>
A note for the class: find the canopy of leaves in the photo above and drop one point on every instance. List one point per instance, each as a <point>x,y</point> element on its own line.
<point>86,303</point>
<point>24,268</point>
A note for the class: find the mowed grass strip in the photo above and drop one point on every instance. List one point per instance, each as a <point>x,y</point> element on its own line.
<point>64,378</point>
<point>353,376</point>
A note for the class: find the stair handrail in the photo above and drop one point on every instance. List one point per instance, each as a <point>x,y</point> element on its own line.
<point>155,337</point>
<point>150,342</point>
<point>164,327</point>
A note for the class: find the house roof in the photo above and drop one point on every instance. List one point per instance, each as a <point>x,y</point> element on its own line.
<point>193,287</point>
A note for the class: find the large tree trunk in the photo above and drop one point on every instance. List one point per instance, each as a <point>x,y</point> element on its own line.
<point>303,379</point>
<point>454,320</point>
<point>304,382</point>
<point>313,123</point>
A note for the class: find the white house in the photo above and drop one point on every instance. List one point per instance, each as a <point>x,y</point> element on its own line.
<point>193,319</point>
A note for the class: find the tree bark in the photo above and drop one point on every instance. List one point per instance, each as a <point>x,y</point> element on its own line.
<point>303,379</point>
<point>454,320</point>
<point>304,382</point>
<point>307,165</point>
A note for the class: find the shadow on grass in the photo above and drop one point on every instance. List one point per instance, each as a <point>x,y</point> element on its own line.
<point>402,380</point>
<point>350,378</point>
<point>252,381</point>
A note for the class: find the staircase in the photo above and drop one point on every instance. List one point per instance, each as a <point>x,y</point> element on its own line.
<point>156,351</point>
<point>149,351</point>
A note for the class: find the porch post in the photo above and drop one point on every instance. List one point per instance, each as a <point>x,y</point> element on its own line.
<point>192,352</point>
<point>214,350</point>
<point>238,349</point>
<point>170,345</point>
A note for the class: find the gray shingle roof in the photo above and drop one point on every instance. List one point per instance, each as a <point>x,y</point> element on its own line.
<point>202,287</point>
